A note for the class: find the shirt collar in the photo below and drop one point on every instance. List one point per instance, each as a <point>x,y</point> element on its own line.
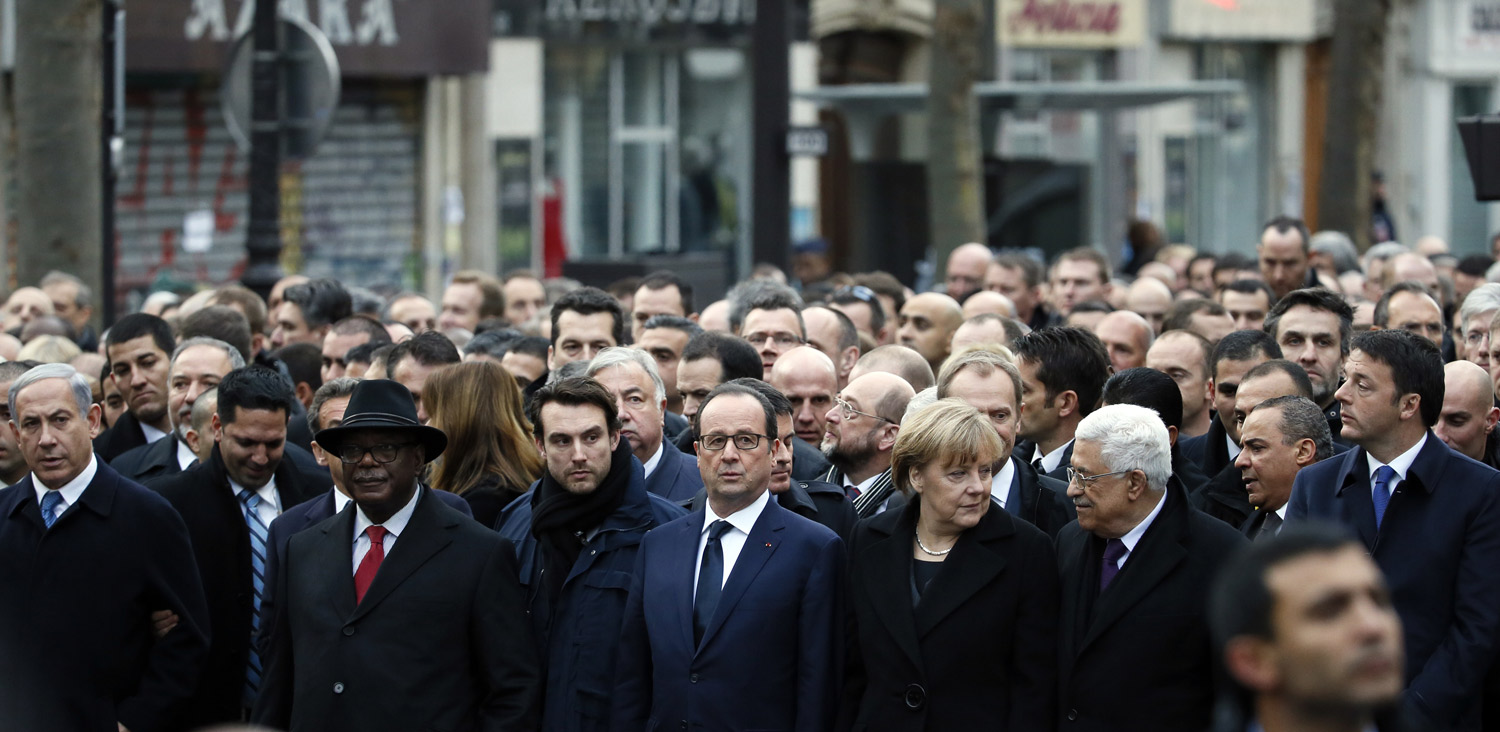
<point>152,434</point>
<point>266,492</point>
<point>655,460</point>
<point>185,456</point>
<point>1051,460</point>
<point>1133,537</point>
<point>1234,448</point>
<point>340,501</point>
<point>743,519</point>
<point>1402,463</point>
<point>863,485</point>
<point>73,489</point>
<point>1000,485</point>
<point>393,525</point>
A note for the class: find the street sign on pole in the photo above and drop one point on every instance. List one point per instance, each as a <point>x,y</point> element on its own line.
<point>309,74</point>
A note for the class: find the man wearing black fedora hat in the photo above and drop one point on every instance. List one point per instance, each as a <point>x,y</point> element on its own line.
<point>398,613</point>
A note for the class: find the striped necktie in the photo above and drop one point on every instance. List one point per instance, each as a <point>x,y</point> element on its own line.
<point>50,499</point>
<point>258,534</point>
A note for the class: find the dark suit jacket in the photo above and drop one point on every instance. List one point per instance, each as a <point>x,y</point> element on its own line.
<point>439,641</point>
<point>816,500</point>
<point>1039,500</point>
<point>772,655</point>
<point>123,435</point>
<point>221,547</point>
<point>1224,497</point>
<point>76,647</point>
<point>1208,450</point>
<point>979,651</point>
<point>1437,547</point>
<point>1025,451</point>
<point>1136,658</point>
<point>676,477</point>
<point>673,425</point>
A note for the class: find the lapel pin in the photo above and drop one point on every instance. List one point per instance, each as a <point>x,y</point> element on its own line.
<point>768,545</point>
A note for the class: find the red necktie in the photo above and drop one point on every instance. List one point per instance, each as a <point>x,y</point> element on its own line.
<point>371,563</point>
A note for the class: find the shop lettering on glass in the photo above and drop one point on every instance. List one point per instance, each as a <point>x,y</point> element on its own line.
<point>1062,16</point>
<point>653,12</point>
<point>1071,23</point>
<point>345,22</point>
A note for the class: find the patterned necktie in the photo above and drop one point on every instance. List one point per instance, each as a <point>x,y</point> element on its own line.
<point>50,499</point>
<point>1382,492</point>
<point>1271,526</point>
<point>258,533</point>
<point>1114,549</point>
<point>710,579</point>
<point>371,563</point>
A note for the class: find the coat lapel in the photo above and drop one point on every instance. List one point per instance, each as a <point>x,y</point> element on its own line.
<point>1158,552</point>
<point>759,546</point>
<point>682,567</point>
<point>425,535</point>
<point>335,557</point>
<point>1356,503</point>
<point>976,561</point>
<point>890,588</point>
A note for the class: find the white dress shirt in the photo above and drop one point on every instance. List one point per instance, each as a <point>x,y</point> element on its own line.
<point>185,456</point>
<point>1000,484</point>
<point>71,490</point>
<point>1234,448</point>
<point>1051,460</point>
<point>733,540</point>
<point>270,501</point>
<point>655,460</point>
<point>340,501</point>
<point>393,528</point>
<point>1401,465</point>
<point>1133,537</point>
<point>152,434</point>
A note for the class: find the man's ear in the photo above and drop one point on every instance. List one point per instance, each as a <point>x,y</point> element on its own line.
<point>317,450</point>
<point>217,428</point>
<point>1252,662</point>
<point>1307,452</point>
<point>1067,403</point>
<point>95,419</point>
<point>193,439</point>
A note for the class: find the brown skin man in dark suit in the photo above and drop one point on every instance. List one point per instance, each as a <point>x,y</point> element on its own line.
<point>421,625</point>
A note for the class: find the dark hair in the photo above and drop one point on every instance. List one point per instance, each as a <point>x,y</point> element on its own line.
<point>1199,258</point>
<point>221,323</point>
<point>304,363</point>
<point>1234,261</point>
<point>1247,286</point>
<point>332,389</point>
<point>884,284</point>
<point>736,357</point>
<point>1068,359</point>
<point>732,388</point>
<point>588,301</point>
<point>254,387</point>
<point>1092,306</point>
<point>429,348</point>
<point>323,301</point>
<point>1091,255</point>
<point>1240,603</point>
<point>1383,305</point>
<point>491,292</point>
<point>623,287</point>
<point>251,304</point>
<point>861,295</point>
<point>675,322</point>
<point>576,391</point>
<point>12,370</point>
<point>363,353</point>
<point>779,403</point>
<point>535,346</point>
<point>1301,419</point>
<point>1416,366</point>
<point>1180,315</point>
<point>493,343</point>
<point>1283,224</point>
<point>1243,345</point>
<point>1294,371</point>
<point>1031,270</point>
<point>762,295</point>
<point>848,334</point>
<point>137,325</point>
<point>1147,388</point>
<point>662,279</point>
<point>356,324</point>
<point>1316,298</point>
<point>1475,265</point>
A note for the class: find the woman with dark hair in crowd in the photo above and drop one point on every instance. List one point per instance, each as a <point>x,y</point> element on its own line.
<point>490,458</point>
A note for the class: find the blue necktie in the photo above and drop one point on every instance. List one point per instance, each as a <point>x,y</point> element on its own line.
<point>50,499</point>
<point>710,579</point>
<point>258,533</point>
<point>1382,493</point>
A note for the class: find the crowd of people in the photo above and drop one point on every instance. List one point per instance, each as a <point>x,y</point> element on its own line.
<point>1203,492</point>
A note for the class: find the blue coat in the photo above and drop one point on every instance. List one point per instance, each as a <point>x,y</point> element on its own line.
<point>676,477</point>
<point>1437,546</point>
<point>579,638</point>
<point>772,656</point>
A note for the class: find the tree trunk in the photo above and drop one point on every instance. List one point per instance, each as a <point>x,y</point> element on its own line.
<point>955,188</point>
<point>1355,80</point>
<point>58,92</point>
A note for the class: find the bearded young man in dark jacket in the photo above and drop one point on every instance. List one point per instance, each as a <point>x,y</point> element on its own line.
<point>576,535</point>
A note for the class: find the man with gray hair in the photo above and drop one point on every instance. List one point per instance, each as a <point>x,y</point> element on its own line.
<point>1474,318</point>
<point>629,375</point>
<point>1279,437</point>
<point>73,301</point>
<point>197,365</point>
<point>88,545</point>
<point>1137,554</point>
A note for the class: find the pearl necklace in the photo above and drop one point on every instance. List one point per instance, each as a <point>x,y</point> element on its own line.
<point>924,548</point>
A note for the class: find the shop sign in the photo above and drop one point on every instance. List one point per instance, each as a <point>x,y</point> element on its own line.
<point>1085,24</point>
<point>371,37</point>
<point>626,19</point>
<point>1259,20</point>
<point>1478,26</point>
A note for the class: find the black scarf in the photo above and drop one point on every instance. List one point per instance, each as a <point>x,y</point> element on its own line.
<point>560,520</point>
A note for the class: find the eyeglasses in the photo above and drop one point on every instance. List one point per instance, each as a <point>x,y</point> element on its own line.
<point>858,292</point>
<point>742,441</point>
<point>1086,480</point>
<point>351,454</point>
<point>849,412</point>
<point>782,340</point>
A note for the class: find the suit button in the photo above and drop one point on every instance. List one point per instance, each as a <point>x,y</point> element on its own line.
<point>684,724</point>
<point>693,678</point>
<point>348,630</point>
<point>916,696</point>
<point>338,688</point>
<point>1072,715</point>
